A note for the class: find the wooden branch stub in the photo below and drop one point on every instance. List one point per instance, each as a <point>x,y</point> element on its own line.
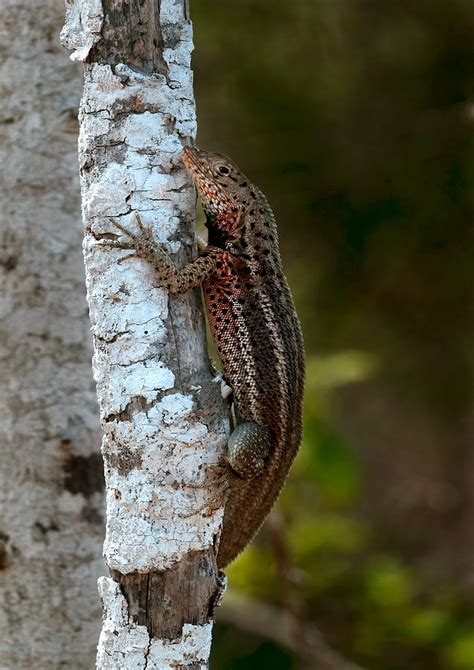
<point>153,597</point>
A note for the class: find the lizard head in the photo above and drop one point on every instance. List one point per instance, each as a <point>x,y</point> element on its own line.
<point>223,189</point>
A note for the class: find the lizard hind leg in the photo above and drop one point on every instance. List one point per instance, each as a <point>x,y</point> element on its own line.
<point>248,447</point>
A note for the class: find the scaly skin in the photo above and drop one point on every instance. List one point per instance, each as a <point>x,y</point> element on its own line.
<point>257,332</point>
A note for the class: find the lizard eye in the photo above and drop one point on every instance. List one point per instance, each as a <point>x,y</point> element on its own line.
<point>223,169</point>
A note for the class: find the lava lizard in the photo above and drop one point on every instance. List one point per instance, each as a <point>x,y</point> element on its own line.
<point>256,330</point>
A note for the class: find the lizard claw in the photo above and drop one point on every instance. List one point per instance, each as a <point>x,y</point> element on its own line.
<point>134,236</point>
<point>139,221</point>
<point>119,244</point>
<point>127,257</point>
<point>144,231</point>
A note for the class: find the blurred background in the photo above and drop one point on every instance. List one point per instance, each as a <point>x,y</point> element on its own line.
<point>355,119</point>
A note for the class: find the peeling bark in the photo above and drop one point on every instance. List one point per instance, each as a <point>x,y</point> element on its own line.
<point>51,482</point>
<point>165,424</point>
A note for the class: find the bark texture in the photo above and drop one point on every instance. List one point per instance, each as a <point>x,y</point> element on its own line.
<point>51,482</point>
<point>164,422</point>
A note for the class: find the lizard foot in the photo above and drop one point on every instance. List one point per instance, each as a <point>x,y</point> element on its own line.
<point>222,485</point>
<point>223,488</point>
<point>142,244</point>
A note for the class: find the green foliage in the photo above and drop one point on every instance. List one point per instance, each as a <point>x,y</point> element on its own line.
<point>254,572</point>
<point>328,534</point>
<point>329,463</point>
<point>328,372</point>
<point>388,584</point>
<point>460,653</point>
<point>267,655</point>
<point>236,651</point>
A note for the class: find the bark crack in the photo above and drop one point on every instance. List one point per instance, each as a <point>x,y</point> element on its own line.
<point>147,652</point>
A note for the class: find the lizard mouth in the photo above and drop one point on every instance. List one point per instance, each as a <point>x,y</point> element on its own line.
<point>198,166</point>
<point>195,163</point>
<point>192,158</point>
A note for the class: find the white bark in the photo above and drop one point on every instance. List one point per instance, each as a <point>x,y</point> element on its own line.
<point>50,472</point>
<point>164,422</point>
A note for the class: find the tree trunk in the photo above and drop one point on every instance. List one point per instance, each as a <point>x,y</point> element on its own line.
<point>164,421</point>
<point>51,485</point>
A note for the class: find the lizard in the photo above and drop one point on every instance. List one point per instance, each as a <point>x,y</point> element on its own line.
<point>256,329</point>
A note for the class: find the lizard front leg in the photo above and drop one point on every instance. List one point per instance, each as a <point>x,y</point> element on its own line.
<point>177,280</point>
